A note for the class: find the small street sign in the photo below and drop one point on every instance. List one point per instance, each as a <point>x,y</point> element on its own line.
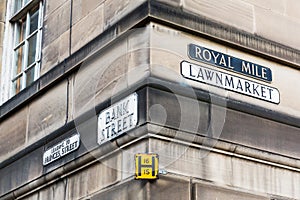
<point>146,166</point>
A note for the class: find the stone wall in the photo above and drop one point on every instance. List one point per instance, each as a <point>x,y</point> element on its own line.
<point>214,143</point>
<point>276,20</point>
<point>80,22</point>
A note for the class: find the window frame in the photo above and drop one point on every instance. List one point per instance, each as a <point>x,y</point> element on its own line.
<point>24,14</point>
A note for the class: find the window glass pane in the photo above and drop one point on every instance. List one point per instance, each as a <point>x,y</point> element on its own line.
<point>34,20</point>
<point>19,60</point>
<point>27,45</point>
<point>32,49</point>
<point>30,76</point>
<point>17,85</point>
<point>26,1</point>
<point>21,31</point>
<point>18,5</point>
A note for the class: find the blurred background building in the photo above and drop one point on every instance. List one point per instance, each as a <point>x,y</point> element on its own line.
<point>210,86</point>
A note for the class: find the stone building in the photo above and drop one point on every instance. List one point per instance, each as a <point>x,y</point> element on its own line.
<point>209,86</point>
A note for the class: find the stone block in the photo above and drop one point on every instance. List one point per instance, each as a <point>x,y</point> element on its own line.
<point>138,55</point>
<point>189,161</point>
<point>139,38</point>
<point>292,9</point>
<point>2,29</point>
<point>172,110</point>
<point>245,129</point>
<point>13,132</point>
<point>128,155</point>
<point>52,6</point>
<point>56,191</point>
<point>234,13</point>
<point>87,28</point>
<point>97,77</point>
<point>52,29</point>
<point>271,5</point>
<point>116,9</point>
<point>128,190</point>
<point>95,177</point>
<point>21,172</point>
<point>3,10</point>
<point>284,31</point>
<point>209,192</point>
<point>167,187</point>
<point>48,112</point>
<point>55,52</point>
<point>81,8</point>
<point>265,179</point>
<point>137,67</point>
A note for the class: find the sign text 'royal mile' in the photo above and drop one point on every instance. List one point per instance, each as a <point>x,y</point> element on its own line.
<point>228,62</point>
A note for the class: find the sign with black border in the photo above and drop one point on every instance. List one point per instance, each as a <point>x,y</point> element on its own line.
<point>61,149</point>
<point>222,60</point>
<point>229,82</point>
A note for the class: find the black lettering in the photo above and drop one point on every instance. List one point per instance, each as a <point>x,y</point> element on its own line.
<point>263,91</point>
<point>192,75</point>
<point>119,126</point>
<point>75,144</point>
<point>130,120</point>
<point>209,75</point>
<point>229,81</point>
<point>113,114</point>
<point>125,107</point>
<point>219,77</point>
<point>47,159</point>
<point>200,74</point>
<point>124,123</point>
<point>107,131</point>
<point>239,86</point>
<point>113,129</point>
<point>102,135</point>
<point>270,92</point>
<point>255,89</point>
<point>107,117</point>
<point>247,87</point>
<point>146,171</point>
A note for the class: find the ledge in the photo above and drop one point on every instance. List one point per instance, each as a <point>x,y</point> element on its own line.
<point>170,16</point>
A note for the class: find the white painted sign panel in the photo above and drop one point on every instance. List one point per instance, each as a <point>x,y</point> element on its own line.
<point>118,119</point>
<point>61,149</point>
<point>229,82</point>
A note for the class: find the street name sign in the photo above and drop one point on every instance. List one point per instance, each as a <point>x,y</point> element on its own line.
<point>118,119</point>
<point>229,82</point>
<point>61,149</point>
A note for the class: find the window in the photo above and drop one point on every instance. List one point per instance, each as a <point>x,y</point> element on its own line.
<point>27,28</point>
